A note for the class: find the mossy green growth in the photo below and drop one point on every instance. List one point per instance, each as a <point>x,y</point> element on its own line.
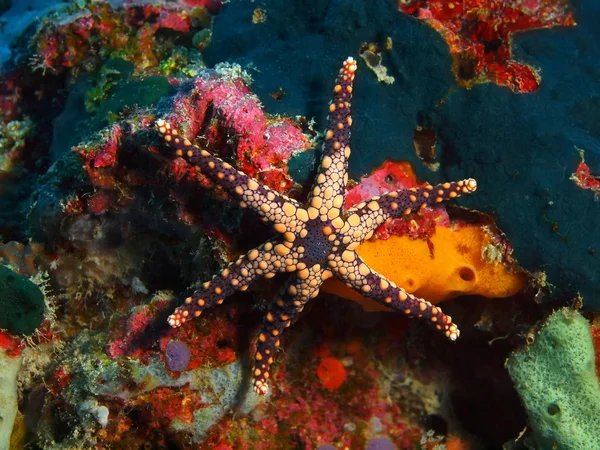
<point>116,88</point>
<point>556,379</point>
<point>21,303</point>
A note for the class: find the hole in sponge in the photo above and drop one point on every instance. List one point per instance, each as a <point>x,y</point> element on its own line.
<point>466,274</point>
<point>553,409</point>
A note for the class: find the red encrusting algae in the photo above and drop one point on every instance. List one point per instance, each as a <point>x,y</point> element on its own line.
<point>479,34</point>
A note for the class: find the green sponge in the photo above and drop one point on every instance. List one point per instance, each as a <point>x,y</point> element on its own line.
<point>21,303</point>
<point>556,379</point>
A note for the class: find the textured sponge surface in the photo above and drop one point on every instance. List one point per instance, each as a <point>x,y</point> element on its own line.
<point>556,379</point>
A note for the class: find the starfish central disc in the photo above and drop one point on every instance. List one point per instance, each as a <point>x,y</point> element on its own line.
<point>319,242</point>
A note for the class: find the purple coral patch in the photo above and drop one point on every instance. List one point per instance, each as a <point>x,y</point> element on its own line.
<point>177,355</point>
<point>381,443</point>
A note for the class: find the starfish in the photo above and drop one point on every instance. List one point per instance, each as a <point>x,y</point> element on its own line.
<point>316,240</point>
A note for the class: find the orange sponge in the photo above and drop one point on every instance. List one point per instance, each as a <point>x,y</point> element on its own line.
<point>437,254</point>
<point>458,259</point>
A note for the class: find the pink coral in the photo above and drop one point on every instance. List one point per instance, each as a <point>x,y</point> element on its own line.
<point>219,108</point>
<point>264,144</point>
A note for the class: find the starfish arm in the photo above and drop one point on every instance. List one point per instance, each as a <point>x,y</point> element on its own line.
<point>366,217</point>
<point>272,206</point>
<point>298,290</point>
<point>357,275</point>
<point>264,261</point>
<point>327,195</point>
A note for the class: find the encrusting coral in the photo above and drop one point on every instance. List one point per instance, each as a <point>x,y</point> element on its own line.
<point>319,238</point>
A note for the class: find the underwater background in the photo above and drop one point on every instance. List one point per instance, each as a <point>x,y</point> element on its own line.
<point>110,230</point>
